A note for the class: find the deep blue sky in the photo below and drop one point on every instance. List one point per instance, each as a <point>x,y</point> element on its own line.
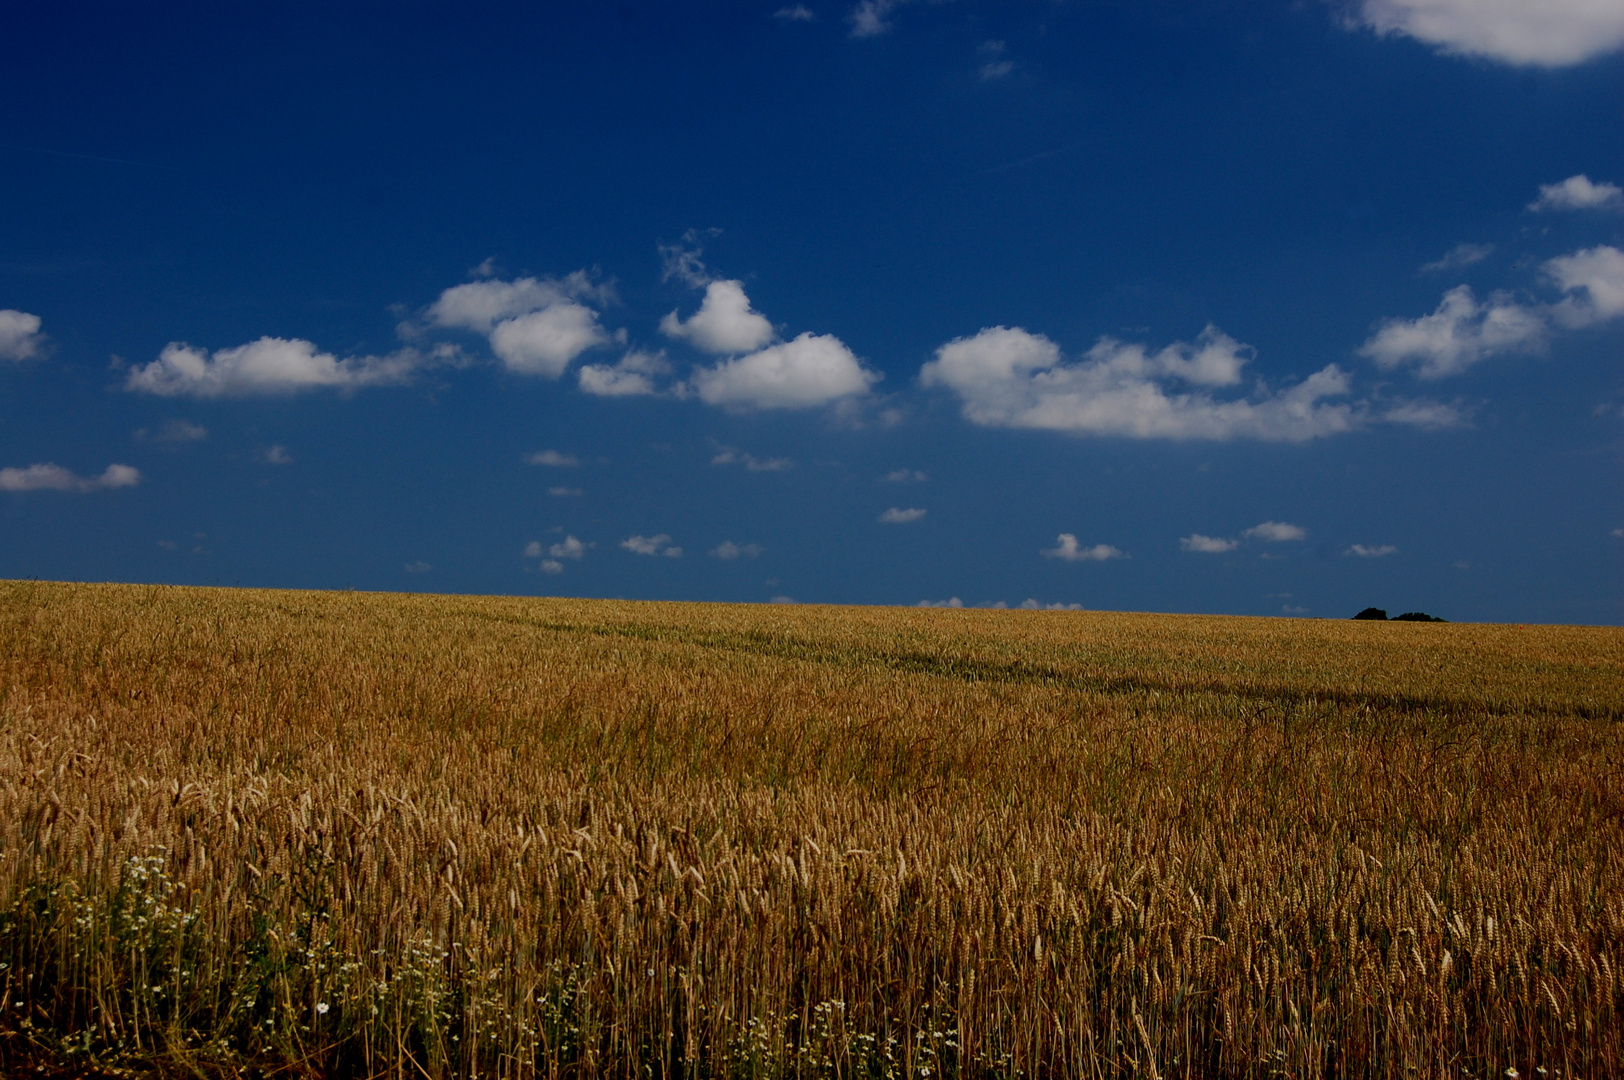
<point>1103,180</point>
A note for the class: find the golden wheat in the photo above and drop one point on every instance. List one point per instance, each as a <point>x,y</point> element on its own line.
<point>347,834</point>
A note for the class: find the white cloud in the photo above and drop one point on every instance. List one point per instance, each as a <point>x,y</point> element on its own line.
<point>633,376</point>
<point>533,549</point>
<point>1458,256</point>
<point>1210,545</point>
<point>1030,604</point>
<point>277,455</point>
<point>1008,377</point>
<point>267,367</point>
<point>1276,532</point>
<point>809,371</point>
<point>899,516</point>
<point>1371,552</point>
<point>869,18</point>
<point>651,545</point>
<point>727,549</point>
<point>798,13</point>
<point>724,324</point>
<point>1578,193</point>
<point>783,600</point>
<point>1549,33</point>
<point>905,476</point>
<point>1461,332</point>
<point>551,566</point>
<point>1619,533</point>
<point>535,327</point>
<point>419,567</point>
<point>1594,281</point>
<point>20,338</point>
<point>996,69</point>
<point>950,602</point>
<point>544,342</point>
<point>51,477</point>
<point>564,492</point>
<point>553,458</point>
<point>567,548</point>
<point>1069,550</point>
<point>727,455</point>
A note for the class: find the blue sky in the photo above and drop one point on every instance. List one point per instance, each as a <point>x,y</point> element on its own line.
<point>1256,308</point>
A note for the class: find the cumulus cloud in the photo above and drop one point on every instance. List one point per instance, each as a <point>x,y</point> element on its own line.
<point>950,602</point>
<point>728,455</point>
<point>1460,333</point>
<point>1547,33</point>
<point>1371,552</point>
<point>809,371</point>
<point>1008,377</point>
<point>1069,550</point>
<point>1458,256</point>
<point>1031,604</point>
<point>277,455</point>
<point>551,566</point>
<point>20,338</point>
<point>728,550</point>
<point>535,326</point>
<point>1578,193</point>
<point>1594,281</point>
<point>871,18</point>
<point>567,548</point>
<point>633,376</point>
<point>898,516</point>
<point>1276,532</point>
<point>651,545</point>
<point>797,13</point>
<point>269,367</point>
<point>47,476</point>
<point>1464,330</point>
<point>1209,545</point>
<point>553,458</point>
<point>724,324</point>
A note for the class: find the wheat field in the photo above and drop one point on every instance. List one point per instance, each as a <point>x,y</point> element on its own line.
<point>256,833</point>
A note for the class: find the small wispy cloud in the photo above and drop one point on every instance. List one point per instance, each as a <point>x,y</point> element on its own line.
<point>567,548</point>
<point>899,516</point>
<point>553,459</point>
<point>48,476</point>
<point>277,455</point>
<point>418,567</point>
<point>728,455</point>
<point>1363,551</point>
<point>652,545</point>
<point>950,602</point>
<point>564,492</point>
<point>1030,604</point>
<point>1209,545</point>
<point>796,13</point>
<point>728,550</point>
<point>1459,256</point>
<point>1069,550</point>
<point>905,476</point>
<point>174,431</point>
<point>1276,532</point>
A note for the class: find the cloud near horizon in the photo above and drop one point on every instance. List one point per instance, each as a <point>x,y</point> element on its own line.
<point>1542,33</point>
<point>48,476</point>
<point>1008,377</point>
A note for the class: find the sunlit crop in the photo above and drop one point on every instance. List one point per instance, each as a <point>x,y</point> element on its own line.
<point>363,835</point>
